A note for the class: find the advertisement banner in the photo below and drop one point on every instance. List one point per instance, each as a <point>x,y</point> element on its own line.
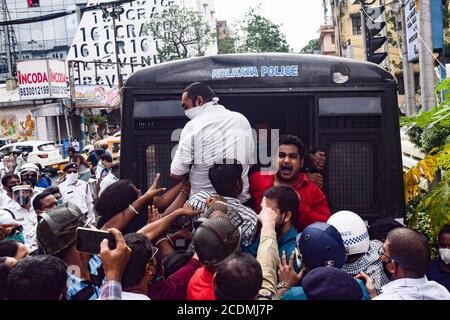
<point>96,96</point>
<point>42,79</point>
<point>412,33</point>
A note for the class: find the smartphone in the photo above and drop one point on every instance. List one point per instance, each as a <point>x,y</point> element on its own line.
<point>88,240</point>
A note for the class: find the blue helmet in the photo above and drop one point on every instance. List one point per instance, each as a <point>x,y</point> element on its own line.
<point>321,245</point>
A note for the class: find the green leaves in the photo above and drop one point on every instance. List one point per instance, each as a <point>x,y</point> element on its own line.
<point>259,34</point>
<point>180,33</point>
<point>313,45</point>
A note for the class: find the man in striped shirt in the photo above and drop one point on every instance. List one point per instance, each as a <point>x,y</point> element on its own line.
<point>226,180</point>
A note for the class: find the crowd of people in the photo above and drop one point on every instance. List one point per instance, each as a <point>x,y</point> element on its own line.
<point>225,231</point>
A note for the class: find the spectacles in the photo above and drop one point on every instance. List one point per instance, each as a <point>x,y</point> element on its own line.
<point>381,253</point>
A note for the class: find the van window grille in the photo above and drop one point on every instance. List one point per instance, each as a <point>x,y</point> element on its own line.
<point>351,175</point>
<point>350,122</point>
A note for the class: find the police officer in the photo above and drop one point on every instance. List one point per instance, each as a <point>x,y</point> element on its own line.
<point>76,191</point>
<point>30,172</point>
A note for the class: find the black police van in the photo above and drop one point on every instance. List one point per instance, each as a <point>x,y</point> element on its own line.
<point>347,108</point>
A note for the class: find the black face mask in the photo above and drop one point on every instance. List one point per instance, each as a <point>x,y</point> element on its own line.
<point>32,180</point>
<point>386,271</point>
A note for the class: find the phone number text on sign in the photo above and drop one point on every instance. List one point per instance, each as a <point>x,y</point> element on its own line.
<point>33,91</point>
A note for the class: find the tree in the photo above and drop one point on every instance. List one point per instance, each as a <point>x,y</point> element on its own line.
<point>180,33</point>
<point>226,44</point>
<point>258,34</point>
<point>312,46</point>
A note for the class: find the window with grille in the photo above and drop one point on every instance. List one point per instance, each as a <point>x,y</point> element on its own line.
<point>352,175</point>
<point>356,24</point>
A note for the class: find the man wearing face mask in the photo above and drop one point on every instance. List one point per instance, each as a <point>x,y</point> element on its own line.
<point>30,172</point>
<point>212,134</point>
<point>406,255</point>
<point>285,202</point>
<point>439,269</point>
<point>23,213</point>
<point>76,191</point>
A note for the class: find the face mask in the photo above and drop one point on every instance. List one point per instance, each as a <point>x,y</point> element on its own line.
<point>17,237</point>
<point>386,270</point>
<point>71,178</point>
<point>33,181</point>
<point>23,200</point>
<point>59,202</point>
<point>194,112</point>
<point>444,253</point>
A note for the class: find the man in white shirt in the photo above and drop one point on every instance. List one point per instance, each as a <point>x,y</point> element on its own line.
<point>76,191</point>
<point>30,172</point>
<point>214,133</point>
<point>406,256</point>
<point>110,178</point>
<point>22,211</point>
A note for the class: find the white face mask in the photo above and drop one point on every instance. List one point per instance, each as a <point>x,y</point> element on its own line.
<point>445,255</point>
<point>194,112</point>
<point>72,177</point>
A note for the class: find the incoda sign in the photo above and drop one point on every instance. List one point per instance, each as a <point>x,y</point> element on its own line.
<point>42,79</point>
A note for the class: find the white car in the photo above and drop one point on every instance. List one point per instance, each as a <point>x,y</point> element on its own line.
<point>43,152</point>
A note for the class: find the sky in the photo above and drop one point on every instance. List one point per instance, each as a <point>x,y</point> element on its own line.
<point>300,19</point>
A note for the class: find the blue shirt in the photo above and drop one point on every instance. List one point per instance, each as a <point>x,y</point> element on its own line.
<point>285,243</point>
<point>297,293</point>
<point>86,290</point>
<point>437,273</point>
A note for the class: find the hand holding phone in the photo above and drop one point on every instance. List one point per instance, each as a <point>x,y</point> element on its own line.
<point>88,240</point>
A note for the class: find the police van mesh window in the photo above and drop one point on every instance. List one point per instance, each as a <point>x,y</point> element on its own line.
<point>158,159</point>
<point>351,175</point>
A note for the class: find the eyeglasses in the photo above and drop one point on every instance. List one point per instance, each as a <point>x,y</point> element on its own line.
<point>381,253</point>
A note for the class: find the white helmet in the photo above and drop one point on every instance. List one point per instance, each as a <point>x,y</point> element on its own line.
<point>353,231</point>
<point>27,167</point>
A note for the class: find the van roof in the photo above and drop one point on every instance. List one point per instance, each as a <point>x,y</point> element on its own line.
<point>263,70</point>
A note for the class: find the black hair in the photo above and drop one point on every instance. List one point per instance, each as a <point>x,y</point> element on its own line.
<point>99,151</point>
<point>239,277</point>
<point>37,200</point>
<point>106,157</point>
<point>286,198</point>
<point>4,271</point>
<point>410,249</point>
<point>141,253</point>
<point>71,149</point>
<point>445,229</point>
<point>199,89</point>
<point>380,229</point>
<point>174,261</point>
<point>37,278</point>
<point>115,167</point>
<point>52,190</point>
<point>289,139</point>
<point>8,248</point>
<point>7,177</point>
<point>224,176</point>
<point>114,199</point>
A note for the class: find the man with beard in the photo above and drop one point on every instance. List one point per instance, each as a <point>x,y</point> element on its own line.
<point>313,203</point>
<point>285,202</point>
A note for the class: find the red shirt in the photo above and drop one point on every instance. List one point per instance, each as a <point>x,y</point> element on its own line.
<point>201,286</point>
<point>174,287</point>
<point>313,203</point>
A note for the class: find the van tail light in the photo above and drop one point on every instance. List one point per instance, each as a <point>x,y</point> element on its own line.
<point>43,155</point>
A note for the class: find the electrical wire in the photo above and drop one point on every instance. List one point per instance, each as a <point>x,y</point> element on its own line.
<point>64,13</point>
